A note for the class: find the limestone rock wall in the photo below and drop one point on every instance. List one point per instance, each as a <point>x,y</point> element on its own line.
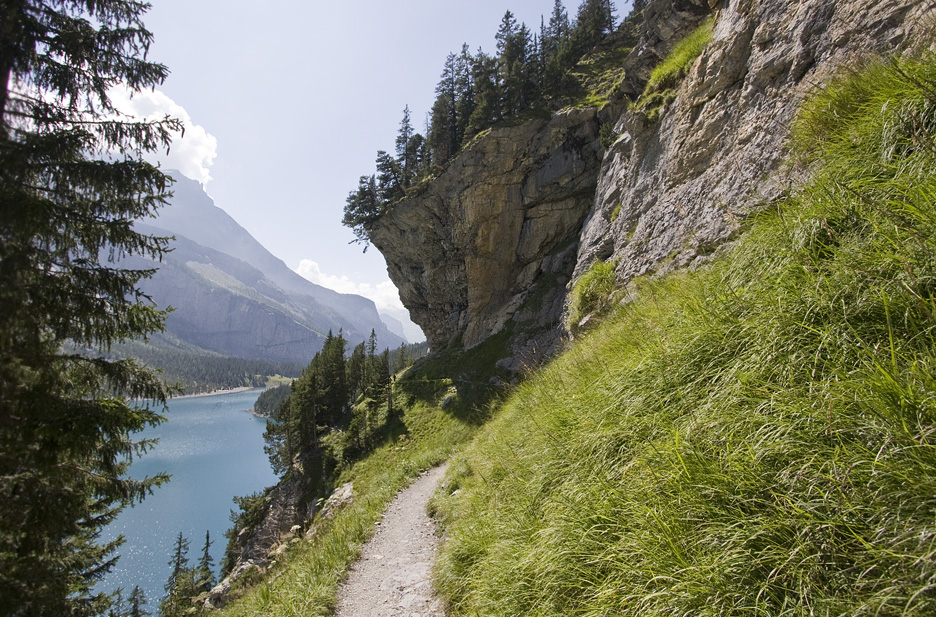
<point>465,251</point>
<point>683,183</point>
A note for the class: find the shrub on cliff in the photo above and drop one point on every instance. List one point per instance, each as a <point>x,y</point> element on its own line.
<point>592,293</point>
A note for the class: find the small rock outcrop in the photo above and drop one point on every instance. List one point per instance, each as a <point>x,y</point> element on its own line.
<point>492,243</point>
<point>281,520</point>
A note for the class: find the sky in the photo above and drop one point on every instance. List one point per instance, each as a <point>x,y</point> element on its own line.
<point>287,102</point>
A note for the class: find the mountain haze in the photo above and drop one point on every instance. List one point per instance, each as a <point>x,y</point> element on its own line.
<point>230,295</point>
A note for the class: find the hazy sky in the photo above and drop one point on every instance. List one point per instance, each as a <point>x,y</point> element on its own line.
<point>287,103</point>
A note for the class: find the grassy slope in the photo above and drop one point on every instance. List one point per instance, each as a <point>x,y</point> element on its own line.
<point>422,436</point>
<point>758,438</point>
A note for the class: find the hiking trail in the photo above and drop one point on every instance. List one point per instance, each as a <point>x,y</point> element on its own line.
<point>392,577</point>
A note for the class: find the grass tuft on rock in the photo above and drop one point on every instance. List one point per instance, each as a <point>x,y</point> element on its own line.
<point>660,88</point>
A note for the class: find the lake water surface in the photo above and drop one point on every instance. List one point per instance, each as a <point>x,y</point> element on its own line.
<point>213,448</point>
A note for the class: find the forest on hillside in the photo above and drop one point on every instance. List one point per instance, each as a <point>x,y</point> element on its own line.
<point>197,373</point>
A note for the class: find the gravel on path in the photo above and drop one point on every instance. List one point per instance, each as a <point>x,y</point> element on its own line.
<point>392,577</point>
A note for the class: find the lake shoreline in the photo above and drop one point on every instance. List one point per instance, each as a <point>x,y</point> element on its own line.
<point>218,392</point>
<point>214,451</point>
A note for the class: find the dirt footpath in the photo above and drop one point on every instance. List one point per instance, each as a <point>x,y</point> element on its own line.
<point>392,576</point>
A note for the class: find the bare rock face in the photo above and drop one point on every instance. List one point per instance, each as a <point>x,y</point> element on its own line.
<point>683,183</point>
<point>465,251</point>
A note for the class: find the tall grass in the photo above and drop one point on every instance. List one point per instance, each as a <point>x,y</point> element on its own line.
<point>593,292</point>
<point>757,438</point>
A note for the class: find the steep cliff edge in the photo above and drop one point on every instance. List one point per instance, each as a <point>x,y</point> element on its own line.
<point>491,244</point>
<point>465,251</point>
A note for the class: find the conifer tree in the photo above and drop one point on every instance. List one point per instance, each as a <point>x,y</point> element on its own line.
<point>464,94</point>
<point>137,602</point>
<point>405,157</point>
<point>357,366</point>
<point>418,155</point>
<point>443,129</point>
<point>389,179</point>
<point>595,19</point>
<point>180,587</point>
<point>362,208</point>
<point>557,55</point>
<point>72,180</point>
<point>514,47</point>
<point>333,384</point>
<point>204,573</point>
<point>487,104</point>
<point>280,437</point>
<point>558,26</point>
<point>305,411</point>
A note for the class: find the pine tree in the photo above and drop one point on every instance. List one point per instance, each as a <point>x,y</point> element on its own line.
<point>333,383</point>
<point>204,573</point>
<point>280,437</point>
<point>505,34</point>
<point>595,19</point>
<point>137,603</point>
<point>389,179</point>
<point>557,54</point>
<point>464,94</point>
<point>362,208</point>
<point>356,371</point>
<point>515,62</point>
<point>417,153</point>
<point>559,27</point>
<point>443,129</point>
<point>72,181</point>
<point>487,100</point>
<point>180,587</point>
<point>305,411</point>
<point>404,155</point>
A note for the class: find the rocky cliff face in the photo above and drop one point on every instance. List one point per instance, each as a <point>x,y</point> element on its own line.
<point>467,249</point>
<point>683,183</point>
<point>492,243</point>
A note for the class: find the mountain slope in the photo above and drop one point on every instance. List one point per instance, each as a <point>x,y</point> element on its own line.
<point>232,296</point>
<point>756,437</point>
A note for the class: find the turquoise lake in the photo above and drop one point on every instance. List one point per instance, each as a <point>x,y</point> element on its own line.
<point>212,446</point>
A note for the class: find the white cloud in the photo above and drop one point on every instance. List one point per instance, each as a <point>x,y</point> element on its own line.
<point>384,294</point>
<point>192,153</point>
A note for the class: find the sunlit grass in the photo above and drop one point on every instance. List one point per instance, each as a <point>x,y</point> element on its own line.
<point>676,64</point>
<point>660,88</point>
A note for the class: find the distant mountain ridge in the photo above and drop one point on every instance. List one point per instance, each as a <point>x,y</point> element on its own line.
<point>230,295</point>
